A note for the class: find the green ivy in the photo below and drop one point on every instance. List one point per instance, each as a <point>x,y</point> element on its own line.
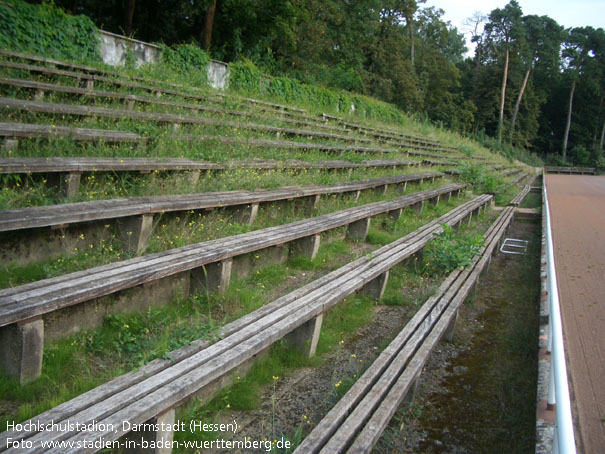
<point>185,59</point>
<point>245,77</point>
<point>47,30</point>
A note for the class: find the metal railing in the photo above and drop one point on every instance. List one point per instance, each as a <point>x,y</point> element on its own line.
<point>558,393</point>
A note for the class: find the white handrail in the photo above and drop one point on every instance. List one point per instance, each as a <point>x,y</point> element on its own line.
<point>564,441</point>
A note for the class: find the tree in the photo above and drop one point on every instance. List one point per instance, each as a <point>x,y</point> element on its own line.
<point>206,35</point>
<point>576,51</point>
<point>543,37</point>
<point>502,30</point>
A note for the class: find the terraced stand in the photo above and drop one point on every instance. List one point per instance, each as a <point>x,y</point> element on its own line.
<point>136,213</point>
<point>118,80</point>
<point>152,393</point>
<point>357,421</point>
<point>174,119</point>
<point>185,270</point>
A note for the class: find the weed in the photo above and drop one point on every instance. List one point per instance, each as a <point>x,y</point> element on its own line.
<point>450,250</point>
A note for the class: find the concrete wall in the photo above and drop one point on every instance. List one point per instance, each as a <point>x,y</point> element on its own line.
<point>115,48</point>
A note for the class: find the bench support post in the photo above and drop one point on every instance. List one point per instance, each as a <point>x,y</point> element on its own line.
<point>382,189</point>
<point>135,232</point>
<point>395,214</point>
<point>415,259</point>
<point>163,436</point>
<point>434,201</point>
<point>310,203</point>
<point>402,186</point>
<point>10,144</point>
<point>448,335</point>
<point>66,184</point>
<point>39,95</point>
<point>307,246</point>
<point>21,348</point>
<point>213,277</point>
<point>71,185</point>
<point>194,177</point>
<point>376,287</point>
<point>305,337</point>
<point>412,391</point>
<point>358,230</point>
<point>90,84</point>
<point>245,214</point>
<point>418,207</point>
<point>447,197</point>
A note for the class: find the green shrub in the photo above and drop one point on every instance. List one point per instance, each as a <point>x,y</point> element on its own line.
<point>47,30</point>
<point>245,77</point>
<point>450,250</point>
<point>185,59</point>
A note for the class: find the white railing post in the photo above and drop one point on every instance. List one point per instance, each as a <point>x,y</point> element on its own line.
<point>564,441</point>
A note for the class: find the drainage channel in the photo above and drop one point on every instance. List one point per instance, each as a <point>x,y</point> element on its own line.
<point>478,393</point>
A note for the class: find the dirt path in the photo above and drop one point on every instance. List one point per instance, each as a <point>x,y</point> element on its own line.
<point>578,217</point>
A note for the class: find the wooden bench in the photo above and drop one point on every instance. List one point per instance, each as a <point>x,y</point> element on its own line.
<point>152,393</point>
<point>388,133</point>
<point>40,88</point>
<point>27,311</point>
<point>518,199</point>
<point>136,214</point>
<point>512,173</point>
<point>65,173</point>
<point>571,170</point>
<point>174,119</point>
<point>357,421</point>
<point>308,146</point>
<point>519,179</point>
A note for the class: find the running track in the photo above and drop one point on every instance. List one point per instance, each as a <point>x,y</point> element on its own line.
<point>577,205</point>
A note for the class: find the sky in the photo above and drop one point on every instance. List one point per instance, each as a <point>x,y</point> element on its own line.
<point>568,13</point>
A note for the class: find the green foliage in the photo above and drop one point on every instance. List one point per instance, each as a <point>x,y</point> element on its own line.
<point>450,250</point>
<point>246,78</point>
<point>186,59</point>
<point>481,181</point>
<point>48,31</point>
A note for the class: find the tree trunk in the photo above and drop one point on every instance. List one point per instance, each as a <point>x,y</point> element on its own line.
<point>208,25</point>
<point>128,17</point>
<point>501,118</point>
<point>602,139</point>
<point>566,135</point>
<point>518,103</point>
<point>411,30</point>
<point>477,59</point>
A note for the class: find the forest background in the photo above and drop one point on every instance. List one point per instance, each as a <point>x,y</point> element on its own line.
<point>531,83</point>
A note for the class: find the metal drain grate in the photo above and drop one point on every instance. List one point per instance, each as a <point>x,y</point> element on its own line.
<point>514,246</point>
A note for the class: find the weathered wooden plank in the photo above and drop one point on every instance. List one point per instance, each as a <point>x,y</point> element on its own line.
<point>109,209</point>
<point>81,134</point>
